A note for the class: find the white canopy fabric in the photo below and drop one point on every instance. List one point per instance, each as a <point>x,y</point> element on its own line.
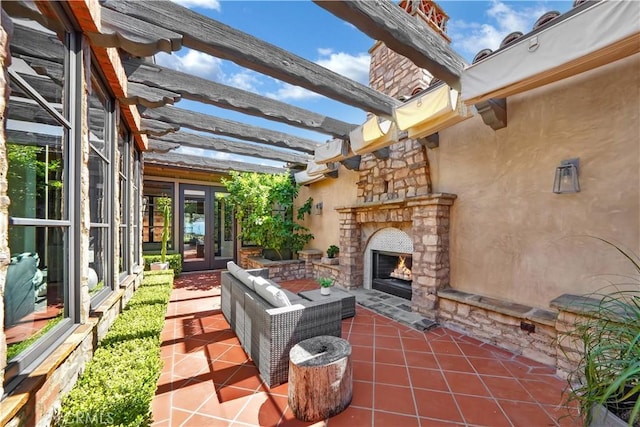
<point>314,168</point>
<point>431,112</point>
<point>374,134</point>
<point>303,178</point>
<point>601,33</point>
<point>333,151</point>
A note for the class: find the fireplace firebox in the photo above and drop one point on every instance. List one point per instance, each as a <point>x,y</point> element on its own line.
<point>391,273</point>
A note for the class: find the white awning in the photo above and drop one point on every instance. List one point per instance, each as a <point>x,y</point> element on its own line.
<point>374,134</point>
<point>597,35</point>
<point>303,178</point>
<point>314,168</point>
<point>333,151</point>
<point>430,112</point>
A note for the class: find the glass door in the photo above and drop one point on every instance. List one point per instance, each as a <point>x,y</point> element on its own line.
<point>207,231</point>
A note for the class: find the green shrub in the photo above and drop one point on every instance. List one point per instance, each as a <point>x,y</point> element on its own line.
<point>119,382</point>
<point>174,260</point>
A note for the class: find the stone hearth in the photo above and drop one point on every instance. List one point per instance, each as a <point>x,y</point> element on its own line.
<point>424,218</point>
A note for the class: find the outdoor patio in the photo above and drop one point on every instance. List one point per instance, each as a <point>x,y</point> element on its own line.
<point>402,377</point>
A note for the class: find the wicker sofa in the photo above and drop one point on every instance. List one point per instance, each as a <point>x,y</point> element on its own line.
<point>267,332</point>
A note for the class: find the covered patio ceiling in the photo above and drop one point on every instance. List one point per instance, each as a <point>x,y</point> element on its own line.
<point>141,29</point>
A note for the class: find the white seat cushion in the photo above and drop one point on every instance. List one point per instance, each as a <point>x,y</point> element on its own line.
<point>241,274</point>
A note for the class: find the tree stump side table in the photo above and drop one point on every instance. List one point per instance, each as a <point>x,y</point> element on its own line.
<point>320,377</point>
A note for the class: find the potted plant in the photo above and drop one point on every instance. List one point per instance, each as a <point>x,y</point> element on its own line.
<point>606,382</point>
<point>325,285</point>
<point>164,205</point>
<point>332,251</point>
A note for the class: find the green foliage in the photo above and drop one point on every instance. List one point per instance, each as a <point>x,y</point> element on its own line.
<point>325,282</point>
<point>609,371</point>
<point>175,262</point>
<point>332,251</point>
<point>119,382</point>
<point>164,205</point>
<point>264,207</point>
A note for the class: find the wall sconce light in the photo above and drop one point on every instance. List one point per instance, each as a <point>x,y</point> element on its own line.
<point>566,179</point>
<point>317,209</point>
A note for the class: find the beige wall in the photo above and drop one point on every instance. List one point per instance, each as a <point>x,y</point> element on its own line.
<point>512,237</point>
<point>333,193</point>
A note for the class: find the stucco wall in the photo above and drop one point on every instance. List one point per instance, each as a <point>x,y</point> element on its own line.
<point>332,193</point>
<point>511,236</point>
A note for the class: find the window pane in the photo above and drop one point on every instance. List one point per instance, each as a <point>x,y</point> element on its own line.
<point>98,268</point>
<point>35,156</point>
<point>152,216</point>
<point>98,187</point>
<point>34,291</point>
<point>97,120</point>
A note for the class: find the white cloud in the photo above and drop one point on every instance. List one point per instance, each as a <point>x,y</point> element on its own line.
<point>193,62</point>
<point>471,37</point>
<point>204,4</point>
<point>355,67</point>
<point>246,80</point>
<point>290,92</point>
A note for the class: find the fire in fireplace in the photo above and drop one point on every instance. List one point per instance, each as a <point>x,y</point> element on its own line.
<point>391,273</point>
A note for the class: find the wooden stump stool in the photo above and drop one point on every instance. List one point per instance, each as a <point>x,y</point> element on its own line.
<point>320,377</point>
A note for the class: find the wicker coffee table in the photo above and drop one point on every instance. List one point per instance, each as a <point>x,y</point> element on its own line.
<point>348,300</point>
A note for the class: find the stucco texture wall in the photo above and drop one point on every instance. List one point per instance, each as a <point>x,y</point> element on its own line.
<point>333,193</point>
<point>511,236</point>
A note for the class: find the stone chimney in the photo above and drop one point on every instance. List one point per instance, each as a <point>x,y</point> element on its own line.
<point>395,75</point>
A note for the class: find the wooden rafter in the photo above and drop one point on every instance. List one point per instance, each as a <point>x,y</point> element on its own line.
<point>214,38</point>
<point>208,164</point>
<point>224,145</point>
<point>410,37</point>
<point>224,127</point>
<point>223,96</point>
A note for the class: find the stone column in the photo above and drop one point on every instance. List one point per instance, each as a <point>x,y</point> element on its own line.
<point>309,256</point>
<point>246,253</point>
<point>430,270</point>
<point>351,260</point>
<point>5,60</point>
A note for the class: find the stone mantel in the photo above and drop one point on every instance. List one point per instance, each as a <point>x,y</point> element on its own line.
<point>429,199</point>
<point>427,218</point>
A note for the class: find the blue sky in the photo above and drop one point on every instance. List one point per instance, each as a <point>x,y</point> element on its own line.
<point>311,32</point>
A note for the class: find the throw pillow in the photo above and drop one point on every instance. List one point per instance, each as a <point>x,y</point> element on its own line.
<point>270,293</point>
<point>241,274</point>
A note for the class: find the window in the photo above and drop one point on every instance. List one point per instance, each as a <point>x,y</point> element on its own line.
<point>152,220</point>
<point>125,214</point>
<point>99,270</point>
<point>42,184</point>
<point>137,207</point>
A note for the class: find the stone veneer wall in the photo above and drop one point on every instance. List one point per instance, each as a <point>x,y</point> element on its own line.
<point>245,253</point>
<point>327,270</point>
<point>279,270</point>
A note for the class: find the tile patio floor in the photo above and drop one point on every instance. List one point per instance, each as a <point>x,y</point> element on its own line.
<point>402,377</point>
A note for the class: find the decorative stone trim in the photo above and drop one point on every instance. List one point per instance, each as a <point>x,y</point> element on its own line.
<point>244,253</point>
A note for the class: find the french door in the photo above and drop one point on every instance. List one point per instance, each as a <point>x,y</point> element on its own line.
<point>206,228</point>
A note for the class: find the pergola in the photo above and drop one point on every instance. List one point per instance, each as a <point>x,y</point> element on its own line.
<point>141,29</point>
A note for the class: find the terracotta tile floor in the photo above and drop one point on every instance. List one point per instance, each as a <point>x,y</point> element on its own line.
<point>402,377</point>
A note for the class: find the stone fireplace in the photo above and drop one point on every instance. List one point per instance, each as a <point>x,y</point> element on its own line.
<point>416,226</point>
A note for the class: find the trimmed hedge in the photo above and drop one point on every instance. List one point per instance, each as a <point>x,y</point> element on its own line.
<point>119,382</point>
<point>174,260</point>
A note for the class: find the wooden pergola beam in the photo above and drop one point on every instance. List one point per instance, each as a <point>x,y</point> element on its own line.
<point>234,147</point>
<point>137,37</point>
<point>410,37</point>
<point>207,164</point>
<point>229,128</point>
<point>214,38</point>
<point>223,96</point>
